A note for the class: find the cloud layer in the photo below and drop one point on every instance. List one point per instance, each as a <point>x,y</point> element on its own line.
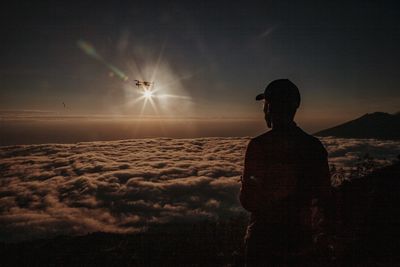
<point>125,186</point>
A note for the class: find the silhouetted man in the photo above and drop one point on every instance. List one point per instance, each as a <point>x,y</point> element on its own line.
<point>285,184</point>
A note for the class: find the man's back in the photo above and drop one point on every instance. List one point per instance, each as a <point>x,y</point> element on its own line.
<point>285,169</point>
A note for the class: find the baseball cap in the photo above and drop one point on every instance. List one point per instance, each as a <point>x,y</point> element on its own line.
<point>281,91</point>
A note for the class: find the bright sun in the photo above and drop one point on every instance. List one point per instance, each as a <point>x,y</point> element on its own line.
<point>148,94</point>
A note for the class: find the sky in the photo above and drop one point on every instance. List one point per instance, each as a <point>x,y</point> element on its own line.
<point>206,59</point>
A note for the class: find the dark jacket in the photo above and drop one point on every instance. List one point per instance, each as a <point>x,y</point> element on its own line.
<point>286,181</point>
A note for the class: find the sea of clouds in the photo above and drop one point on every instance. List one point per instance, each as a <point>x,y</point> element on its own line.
<point>125,186</point>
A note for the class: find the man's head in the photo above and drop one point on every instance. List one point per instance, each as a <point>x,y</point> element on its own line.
<point>282,98</point>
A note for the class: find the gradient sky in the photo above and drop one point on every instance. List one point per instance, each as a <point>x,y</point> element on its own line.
<point>215,55</point>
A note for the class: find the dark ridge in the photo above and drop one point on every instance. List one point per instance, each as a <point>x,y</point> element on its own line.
<point>368,212</point>
<point>377,125</point>
<point>206,243</point>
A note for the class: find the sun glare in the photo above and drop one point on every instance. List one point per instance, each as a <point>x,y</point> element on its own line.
<point>148,94</point>
<point>155,89</point>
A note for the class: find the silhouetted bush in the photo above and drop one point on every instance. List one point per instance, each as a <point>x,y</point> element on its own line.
<point>364,165</point>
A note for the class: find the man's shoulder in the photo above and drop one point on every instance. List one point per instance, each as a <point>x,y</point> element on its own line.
<point>310,138</point>
<point>313,145</point>
<point>257,143</point>
<point>262,137</point>
<point>298,135</point>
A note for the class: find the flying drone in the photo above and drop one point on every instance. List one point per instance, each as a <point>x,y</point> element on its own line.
<point>143,83</point>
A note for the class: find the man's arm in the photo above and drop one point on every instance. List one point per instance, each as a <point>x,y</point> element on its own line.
<point>248,195</point>
<point>322,206</point>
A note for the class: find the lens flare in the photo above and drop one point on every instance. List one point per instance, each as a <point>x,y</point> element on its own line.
<point>89,50</point>
<point>148,94</point>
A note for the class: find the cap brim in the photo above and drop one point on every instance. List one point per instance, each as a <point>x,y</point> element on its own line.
<point>260,96</point>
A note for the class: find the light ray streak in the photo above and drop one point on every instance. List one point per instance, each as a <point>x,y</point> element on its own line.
<point>89,50</point>
<point>182,78</point>
<point>159,59</point>
<point>172,96</point>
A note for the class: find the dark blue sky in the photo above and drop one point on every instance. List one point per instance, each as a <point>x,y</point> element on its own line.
<point>216,55</point>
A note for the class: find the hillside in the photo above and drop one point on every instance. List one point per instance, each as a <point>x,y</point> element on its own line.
<point>368,216</point>
<point>378,125</point>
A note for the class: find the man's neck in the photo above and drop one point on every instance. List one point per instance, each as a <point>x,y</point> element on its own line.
<point>283,126</point>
